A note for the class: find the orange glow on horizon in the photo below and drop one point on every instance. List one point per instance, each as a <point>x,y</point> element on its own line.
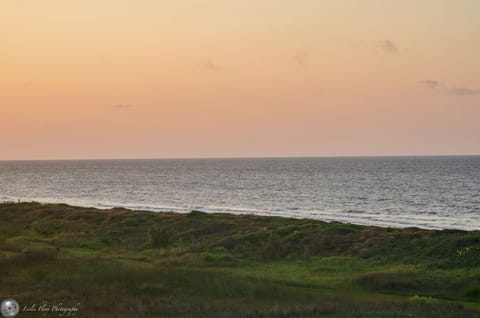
<point>150,79</point>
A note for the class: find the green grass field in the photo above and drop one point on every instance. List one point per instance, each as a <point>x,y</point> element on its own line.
<point>121,263</point>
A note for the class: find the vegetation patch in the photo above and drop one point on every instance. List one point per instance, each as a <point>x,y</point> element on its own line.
<point>121,263</point>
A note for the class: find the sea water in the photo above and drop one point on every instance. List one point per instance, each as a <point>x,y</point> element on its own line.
<point>427,192</point>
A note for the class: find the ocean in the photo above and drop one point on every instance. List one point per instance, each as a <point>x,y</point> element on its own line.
<point>428,192</point>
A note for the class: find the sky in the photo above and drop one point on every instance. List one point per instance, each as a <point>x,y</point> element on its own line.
<point>218,78</point>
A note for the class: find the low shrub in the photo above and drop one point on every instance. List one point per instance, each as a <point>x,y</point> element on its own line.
<point>132,221</point>
<point>40,254</point>
<point>272,247</point>
<point>213,257</point>
<point>160,237</point>
<point>423,300</point>
<point>48,227</point>
<point>473,293</point>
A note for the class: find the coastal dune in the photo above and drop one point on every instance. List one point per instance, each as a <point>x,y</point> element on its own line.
<point>127,263</point>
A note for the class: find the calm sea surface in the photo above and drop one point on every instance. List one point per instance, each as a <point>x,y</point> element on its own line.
<point>428,192</point>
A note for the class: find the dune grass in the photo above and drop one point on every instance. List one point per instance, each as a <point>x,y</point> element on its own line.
<point>121,263</point>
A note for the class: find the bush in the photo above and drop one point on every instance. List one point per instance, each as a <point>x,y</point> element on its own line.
<point>473,292</point>
<point>208,257</point>
<point>422,300</point>
<point>132,221</point>
<point>214,257</point>
<point>273,247</point>
<point>160,237</point>
<point>48,227</point>
<point>40,254</point>
<point>386,281</point>
<point>468,256</point>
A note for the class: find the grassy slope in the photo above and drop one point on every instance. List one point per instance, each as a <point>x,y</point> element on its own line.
<point>121,263</point>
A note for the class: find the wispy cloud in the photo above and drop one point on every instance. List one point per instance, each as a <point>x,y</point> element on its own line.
<point>451,90</point>
<point>301,57</point>
<point>209,65</point>
<point>430,83</point>
<point>464,91</point>
<point>387,46</point>
<point>121,106</point>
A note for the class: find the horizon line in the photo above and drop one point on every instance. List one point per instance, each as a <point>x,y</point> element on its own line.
<point>249,157</point>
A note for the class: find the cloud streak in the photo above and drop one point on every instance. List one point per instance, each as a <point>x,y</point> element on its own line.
<point>121,106</point>
<point>301,57</point>
<point>451,90</point>
<point>209,65</point>
<point>464,91</point>
<point>387,46</point>
<point>430,83</point>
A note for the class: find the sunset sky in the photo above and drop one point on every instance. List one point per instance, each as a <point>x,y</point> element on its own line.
<point>205,78</point>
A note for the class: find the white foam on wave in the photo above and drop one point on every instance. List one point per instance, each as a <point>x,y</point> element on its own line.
<point>396,220</point>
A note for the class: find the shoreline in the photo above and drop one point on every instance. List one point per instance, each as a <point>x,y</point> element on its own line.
<point>346,217</point>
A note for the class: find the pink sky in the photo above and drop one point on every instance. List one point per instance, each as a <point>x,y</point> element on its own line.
<point>153,79</point>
